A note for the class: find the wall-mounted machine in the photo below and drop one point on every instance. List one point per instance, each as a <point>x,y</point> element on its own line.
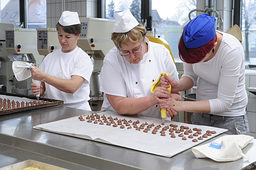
<point>21,44</point>
<point>47,40</point>
<point>97,34</point>
<point>6,74</point>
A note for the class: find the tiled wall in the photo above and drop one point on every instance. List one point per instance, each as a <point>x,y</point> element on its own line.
<point>85,8</point>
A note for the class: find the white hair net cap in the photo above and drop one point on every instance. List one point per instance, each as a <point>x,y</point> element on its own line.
<point>69,18</point>
<point>125,21</point>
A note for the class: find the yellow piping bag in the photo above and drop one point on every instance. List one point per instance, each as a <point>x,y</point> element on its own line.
<point>158,84</point>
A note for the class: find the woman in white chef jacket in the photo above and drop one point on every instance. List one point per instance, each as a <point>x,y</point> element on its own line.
<point>131,67</point>
<point>214,61</point>
<point>65,73</point>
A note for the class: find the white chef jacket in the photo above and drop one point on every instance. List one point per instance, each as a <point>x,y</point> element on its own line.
<point>120,78</point>
<point>64,65</point>
<point>221,80</point>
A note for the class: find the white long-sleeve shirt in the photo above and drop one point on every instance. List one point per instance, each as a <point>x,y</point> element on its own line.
<point>222,79</point>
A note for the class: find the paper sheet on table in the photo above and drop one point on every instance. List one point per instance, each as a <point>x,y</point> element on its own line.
<point>129,138</point>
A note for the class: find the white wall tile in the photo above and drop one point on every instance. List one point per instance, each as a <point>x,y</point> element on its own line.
<point>53,9</point>
<point>49,20</point>
<point>85,8</point>
<point>52,1</point>
<point>58,9</point>
<point>68,6</point>
<point>48,11</point>
<point>76,7</point>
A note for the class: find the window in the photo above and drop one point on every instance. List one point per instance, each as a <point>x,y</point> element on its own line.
<point>168,19</point>
<point>248,10</point>
<point>36,13</point>
<point>10,13</point>
<point>113,6</point>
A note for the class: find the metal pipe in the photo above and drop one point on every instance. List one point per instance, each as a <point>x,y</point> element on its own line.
<point>23,13</point>
<point>209,11</point>
<point>146,16</point>
<point>236,19</point>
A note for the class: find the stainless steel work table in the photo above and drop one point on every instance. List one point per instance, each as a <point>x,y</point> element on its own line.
<point>19,142</point>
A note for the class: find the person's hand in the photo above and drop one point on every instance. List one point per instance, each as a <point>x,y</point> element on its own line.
<point>37,89</point>
<point>169,104</point>
<point>166,81</point>
<point>159,94</point>
<point>166,104</point>
<point>36,73</point>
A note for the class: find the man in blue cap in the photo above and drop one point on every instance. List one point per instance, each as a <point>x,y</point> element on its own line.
<point>214,62</point>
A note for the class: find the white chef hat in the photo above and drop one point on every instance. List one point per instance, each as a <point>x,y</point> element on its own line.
<point>69,18</point>
<point>125,21</point>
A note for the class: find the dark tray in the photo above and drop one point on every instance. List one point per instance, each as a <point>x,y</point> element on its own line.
<point>33,104</point>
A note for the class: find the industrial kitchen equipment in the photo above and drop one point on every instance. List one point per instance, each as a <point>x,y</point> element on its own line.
<point>6,74</point>
<point>21,45</point>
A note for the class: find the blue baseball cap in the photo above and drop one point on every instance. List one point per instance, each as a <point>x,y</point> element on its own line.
<point>199,31</point>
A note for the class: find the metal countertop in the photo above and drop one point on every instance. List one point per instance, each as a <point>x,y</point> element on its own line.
<point>17,133</point>
<point>10,155</point>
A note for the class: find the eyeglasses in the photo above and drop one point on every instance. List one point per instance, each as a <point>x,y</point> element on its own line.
<point>134,51</point>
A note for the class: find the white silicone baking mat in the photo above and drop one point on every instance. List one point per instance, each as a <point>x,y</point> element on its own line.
<point>132,138</point>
